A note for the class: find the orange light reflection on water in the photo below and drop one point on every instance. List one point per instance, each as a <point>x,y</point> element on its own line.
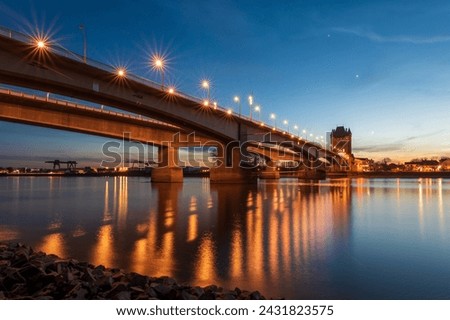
<point>205,267</point>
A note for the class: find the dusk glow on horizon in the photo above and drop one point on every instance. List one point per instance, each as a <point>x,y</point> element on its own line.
<point>381,69</point>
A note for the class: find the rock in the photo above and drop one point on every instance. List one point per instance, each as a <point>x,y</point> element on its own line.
<point>211,287</point>
<point>123,295</point>
<point>208,295</point>
<point>255,295</point>
<point>165,292</point>
<point>138,280</point>
<point>151,293</point>
<point>26,274</point>
<point>187,296</point>
<point>196,291</point>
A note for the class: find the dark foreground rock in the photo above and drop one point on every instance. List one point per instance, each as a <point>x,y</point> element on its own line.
<point>26,274</point>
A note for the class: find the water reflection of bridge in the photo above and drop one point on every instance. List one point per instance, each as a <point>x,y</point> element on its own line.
<point>252,236</point>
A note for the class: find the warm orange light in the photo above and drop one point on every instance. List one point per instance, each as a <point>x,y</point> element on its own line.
<point>230,111</point>
<point>171,90</point>
<point>41,44</point>
<point>121,72</point>
<point>215,105</point>
<point>206,103</point>
<point>158,62</point>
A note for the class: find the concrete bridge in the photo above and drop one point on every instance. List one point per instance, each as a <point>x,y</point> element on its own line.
<point>178,119</point>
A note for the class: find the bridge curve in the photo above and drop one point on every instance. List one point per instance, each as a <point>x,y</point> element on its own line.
<point>58,71</point>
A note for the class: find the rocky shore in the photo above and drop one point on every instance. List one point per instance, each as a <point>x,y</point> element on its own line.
<point>27,274</point>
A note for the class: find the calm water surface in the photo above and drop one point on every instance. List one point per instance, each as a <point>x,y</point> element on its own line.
<point>334,239</point>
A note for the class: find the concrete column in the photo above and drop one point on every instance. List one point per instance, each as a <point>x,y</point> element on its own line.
<point>311,173</point>
<point>168,169</point>
<point>270,172</point>
<point>228,169</point>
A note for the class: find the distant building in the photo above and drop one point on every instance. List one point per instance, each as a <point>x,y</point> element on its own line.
<point>422,166</point>
<point>341,141</point>
<point>362,164</point>
<point>445,165</point>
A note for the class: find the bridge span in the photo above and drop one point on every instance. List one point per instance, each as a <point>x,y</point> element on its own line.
<point>58,71</point>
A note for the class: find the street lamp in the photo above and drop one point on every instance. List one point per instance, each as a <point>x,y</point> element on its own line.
<point>274,118</point>
<point>205,85</point>
<point>250,104</point>
<point>121,72</point>
<point>304,132</point>
<point>286,123</point>
<point>83,31</point>
<point>158,64</point>
<point>238,101</point>
<point>40,44</point>
<point>258,109</point>
<point>297,129</point>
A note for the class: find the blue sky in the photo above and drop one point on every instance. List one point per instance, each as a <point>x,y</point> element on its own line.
<point>381,68</point>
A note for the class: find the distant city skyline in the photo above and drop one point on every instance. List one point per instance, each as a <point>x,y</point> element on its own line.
<point>381,69</point>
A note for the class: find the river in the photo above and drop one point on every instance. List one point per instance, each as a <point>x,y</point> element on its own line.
<point>331,239</point>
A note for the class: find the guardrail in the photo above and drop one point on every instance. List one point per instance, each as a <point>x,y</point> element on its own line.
<point>82,107</point>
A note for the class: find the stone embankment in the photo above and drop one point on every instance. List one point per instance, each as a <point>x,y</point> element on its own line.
<point>27,274</point>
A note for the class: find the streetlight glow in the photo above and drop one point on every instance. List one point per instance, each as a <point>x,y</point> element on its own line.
<point>238,101</point>
<point>205,85</point>
<point>158,63</point>
<point>171,90</point>
<point>258,109</point>
<point>121,72</point>
<point>41,44</point>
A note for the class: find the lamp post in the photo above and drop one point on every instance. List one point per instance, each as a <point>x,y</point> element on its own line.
<point>286,123</point>
<point>205,85</point>
<point>238,101</point>
<point>250,104</point>
<point>274,118</point>
<point>83,31</point>
<point>297,129</point>
<point>258,109</point>
<point>304,132</point>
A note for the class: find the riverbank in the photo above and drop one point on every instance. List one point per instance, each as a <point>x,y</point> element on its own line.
<point>404,174</point>
<point>27,274</point>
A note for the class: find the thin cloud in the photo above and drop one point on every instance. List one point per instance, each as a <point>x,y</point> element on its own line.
<point>376,37</point>
<point>380,148</point>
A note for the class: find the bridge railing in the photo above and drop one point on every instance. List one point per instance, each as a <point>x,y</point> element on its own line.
<point>82,107</point>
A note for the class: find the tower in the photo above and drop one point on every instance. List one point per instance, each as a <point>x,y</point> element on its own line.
<point>341,141</point>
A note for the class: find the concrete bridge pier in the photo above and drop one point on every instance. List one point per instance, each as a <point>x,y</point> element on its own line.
<point>168,169</point>
<point>270,172</point>
<point>311,174</point>
<point>228,168</point>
